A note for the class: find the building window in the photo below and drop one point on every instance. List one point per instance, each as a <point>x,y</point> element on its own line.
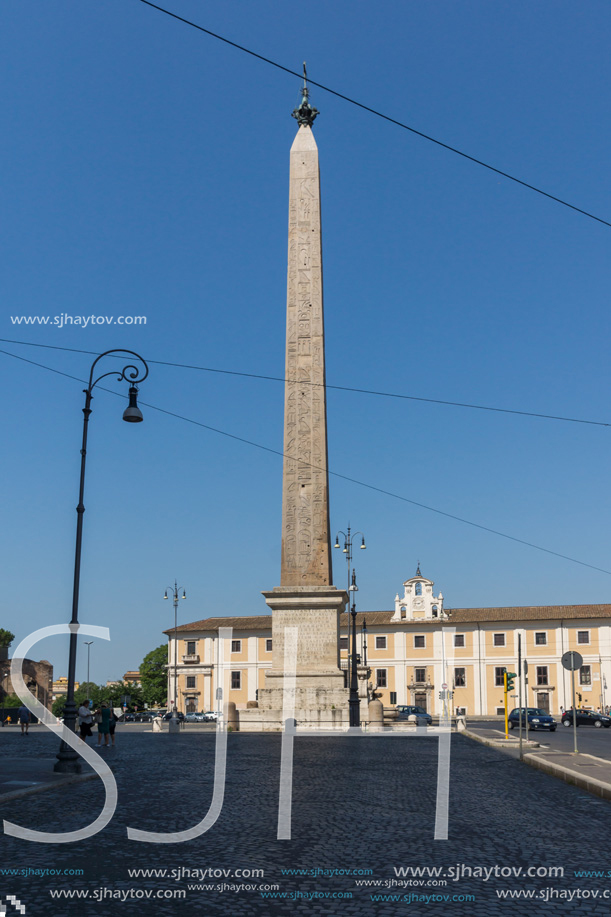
<point>542,675</point>
<point>393,697</point>
<point>381,678</point>
<point>236,646</point>
<point>583,636</point>
<point>435,609</point>
<point>418,589</point>
<point>460,678</point>
<point>268,646</point>
<point>343,643</point>
<point>190,647</point>
<point>541,639</point>
<point>419,641</point>
<point>499,679</point>
<point>420,676</point>
<point>585,675</point>
<point>403,610</point>
<point>499,640</point>
<point>459,639</point>
<point>236,681</point>
<point>190,681</point>
<point>380,643</point>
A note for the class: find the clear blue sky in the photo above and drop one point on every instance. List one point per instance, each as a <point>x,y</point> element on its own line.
<point>145,172</point>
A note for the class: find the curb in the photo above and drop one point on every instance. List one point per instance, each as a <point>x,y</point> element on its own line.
<point>583,781</point>
<point>498,743</point>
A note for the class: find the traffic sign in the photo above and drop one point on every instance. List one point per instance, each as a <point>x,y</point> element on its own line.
<point>572,660</point>
<point>444,686</point>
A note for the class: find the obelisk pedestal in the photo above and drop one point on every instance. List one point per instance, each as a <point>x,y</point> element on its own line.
<point>306,598</point>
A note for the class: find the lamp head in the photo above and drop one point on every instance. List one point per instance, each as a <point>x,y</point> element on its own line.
<point>336,545</point>
<point>166,594</point>
<point>363,545</point>
<point>132,413</point>
<point>184,594</point>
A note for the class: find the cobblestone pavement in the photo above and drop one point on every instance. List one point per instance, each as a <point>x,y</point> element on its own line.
<point>365,804</point>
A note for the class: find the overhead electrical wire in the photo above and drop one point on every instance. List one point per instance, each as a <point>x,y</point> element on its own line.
<point>341,388</point>
<point>379,114</point>
<point>336,474</point>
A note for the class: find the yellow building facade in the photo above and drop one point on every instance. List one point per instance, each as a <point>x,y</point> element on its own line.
<point>415,653</point>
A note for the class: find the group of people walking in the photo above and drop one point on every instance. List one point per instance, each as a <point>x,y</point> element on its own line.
<point>103,717</point>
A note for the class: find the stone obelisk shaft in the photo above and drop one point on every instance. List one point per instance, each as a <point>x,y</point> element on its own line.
<point>306,546</point>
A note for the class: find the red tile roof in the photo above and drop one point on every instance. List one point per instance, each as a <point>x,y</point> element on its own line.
<point>454,616</point>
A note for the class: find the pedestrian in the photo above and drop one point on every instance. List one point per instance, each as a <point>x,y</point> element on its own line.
<point>85,718</point>
<point>114,719</point>
<point>24,718</point>
<point>103,724</point>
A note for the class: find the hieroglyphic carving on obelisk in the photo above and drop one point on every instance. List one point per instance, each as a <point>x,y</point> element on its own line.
<point>306,546</point>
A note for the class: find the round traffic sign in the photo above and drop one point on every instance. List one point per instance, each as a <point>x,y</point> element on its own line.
<point>444,686</point>
<point>572,660</point>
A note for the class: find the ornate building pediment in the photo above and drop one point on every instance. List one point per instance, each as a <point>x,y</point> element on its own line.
<point>418,602</point>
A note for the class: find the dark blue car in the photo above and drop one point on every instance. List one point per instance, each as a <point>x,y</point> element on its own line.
<point>537,719</point>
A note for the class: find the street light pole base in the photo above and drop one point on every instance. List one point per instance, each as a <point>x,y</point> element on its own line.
<point>68,762</point>
<point>174,725</point>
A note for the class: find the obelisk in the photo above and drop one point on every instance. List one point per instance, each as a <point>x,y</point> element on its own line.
<point>306,598</point>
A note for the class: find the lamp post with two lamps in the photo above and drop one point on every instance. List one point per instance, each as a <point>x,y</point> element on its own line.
<point>88,645</point>
<point>68,761</point>
<point>174,722</point>
<point>355,714</point>
<point>347,550</point>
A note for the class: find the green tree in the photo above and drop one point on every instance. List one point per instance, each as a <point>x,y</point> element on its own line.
<point>6,637</point>
<point>11,700</point>
<point>153,677</point>
<point>58,705</point>
<point>112,694</point>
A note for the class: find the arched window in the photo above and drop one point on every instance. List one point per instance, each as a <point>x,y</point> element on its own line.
<point>435,610</point>
<point>403,610</point>
<point>418,588</point>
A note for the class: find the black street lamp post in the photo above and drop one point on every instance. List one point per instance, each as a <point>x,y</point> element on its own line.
<point>347,550</point>
<point>68,761</point>
<point>174,721</point>
<point>88,644</point>
<point>364,642</point>
<point>355,715</point>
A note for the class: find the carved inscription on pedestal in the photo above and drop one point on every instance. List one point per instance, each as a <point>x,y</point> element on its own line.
<point>306,548</point>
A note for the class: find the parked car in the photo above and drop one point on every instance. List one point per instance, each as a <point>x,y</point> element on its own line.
<point>586,718</point>
<point>537,718</point>
<point>168,715</point>
<point>423,718</point>
<point>210,716</point>
<point>194,718</point>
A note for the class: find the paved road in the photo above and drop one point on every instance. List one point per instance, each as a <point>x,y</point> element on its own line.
<point>590,741</point>
<point>357,804</point>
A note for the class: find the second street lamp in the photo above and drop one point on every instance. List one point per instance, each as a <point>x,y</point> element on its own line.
<point>355,713</point>
<point>347,550</point>
<point>88,645</point>
<point>174,722</point>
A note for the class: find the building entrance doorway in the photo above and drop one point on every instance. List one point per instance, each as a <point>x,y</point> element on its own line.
<point>420,700</point>
<point>543,700</point>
